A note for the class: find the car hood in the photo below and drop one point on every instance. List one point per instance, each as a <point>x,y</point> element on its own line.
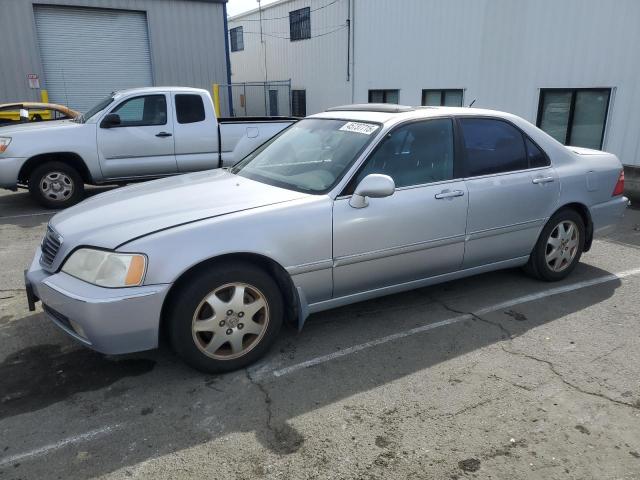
<point>120,215</point>
<point>38,126</point>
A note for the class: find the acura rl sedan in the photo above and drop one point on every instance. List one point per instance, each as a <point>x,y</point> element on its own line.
<point>346,205</point>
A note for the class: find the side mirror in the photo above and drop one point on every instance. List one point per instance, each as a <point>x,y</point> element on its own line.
<point>110,120</point>
<point>374,185</point>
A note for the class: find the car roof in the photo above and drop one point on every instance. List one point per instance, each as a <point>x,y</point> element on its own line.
<point>145,90</point>
<point>399,113</point>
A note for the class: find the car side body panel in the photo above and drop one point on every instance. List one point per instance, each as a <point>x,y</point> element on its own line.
<point>295,234</point>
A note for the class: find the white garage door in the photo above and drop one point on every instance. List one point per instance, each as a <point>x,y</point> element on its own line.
<point>88,53</point>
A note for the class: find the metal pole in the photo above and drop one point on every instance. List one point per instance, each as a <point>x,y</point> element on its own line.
<point>264,50</point>
<point>245,99</point>
<point>348,39</point>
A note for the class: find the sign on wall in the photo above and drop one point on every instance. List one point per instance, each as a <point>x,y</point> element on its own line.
<point>34,81</point>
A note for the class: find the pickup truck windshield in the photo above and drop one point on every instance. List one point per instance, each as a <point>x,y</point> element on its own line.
<point>310,156</point>
<point>101,105</point>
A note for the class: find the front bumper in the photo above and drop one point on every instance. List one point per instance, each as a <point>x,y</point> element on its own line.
<point>9,170</point>
<point>109,320</point>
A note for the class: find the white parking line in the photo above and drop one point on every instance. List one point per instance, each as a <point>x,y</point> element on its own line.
<point>62,443</point>
<point>279,372</point>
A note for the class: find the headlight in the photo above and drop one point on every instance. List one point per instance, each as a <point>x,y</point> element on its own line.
<point>4,143</point>
<point>106,269</point>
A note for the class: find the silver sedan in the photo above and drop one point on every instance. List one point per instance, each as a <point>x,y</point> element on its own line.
<point>347,205</point>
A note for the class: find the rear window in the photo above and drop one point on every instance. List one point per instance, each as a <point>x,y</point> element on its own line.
<point>189,108</point>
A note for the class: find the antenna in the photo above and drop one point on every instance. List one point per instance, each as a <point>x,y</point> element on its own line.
<point>471,104</point>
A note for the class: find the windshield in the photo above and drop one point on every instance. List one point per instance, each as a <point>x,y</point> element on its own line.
<point>97,108</point>
<point>310,156</point>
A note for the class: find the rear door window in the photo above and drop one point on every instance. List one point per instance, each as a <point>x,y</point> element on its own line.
<point>492,146</point>
<point>189,108</point>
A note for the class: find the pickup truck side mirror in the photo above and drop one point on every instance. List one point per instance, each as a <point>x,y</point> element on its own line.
<point>374,185</point>
<point>110,120</point>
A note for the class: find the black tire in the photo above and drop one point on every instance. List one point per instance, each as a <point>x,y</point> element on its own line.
<point>56,200</point>
<point>537,265</point>
<point>189,299</point>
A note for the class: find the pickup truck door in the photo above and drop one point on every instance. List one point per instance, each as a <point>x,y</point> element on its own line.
<point>142,145</point>
<point>195,132</point>
<point>418,231</point>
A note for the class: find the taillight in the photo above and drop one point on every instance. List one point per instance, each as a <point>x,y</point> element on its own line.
<point>619,190</point>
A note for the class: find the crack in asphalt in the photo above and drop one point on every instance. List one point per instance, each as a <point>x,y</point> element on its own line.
<point>554,370</point>
<point>267,398</point>
<point>506,334</point>
<point>282,438</point>
<point>549,364</point>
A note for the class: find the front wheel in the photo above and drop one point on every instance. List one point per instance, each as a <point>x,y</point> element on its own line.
<point>56,185</point>
<point>225,318</point>
<point>559,247</point>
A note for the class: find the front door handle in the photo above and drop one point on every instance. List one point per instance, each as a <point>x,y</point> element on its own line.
<point>539,180</point>
<point>449,194</point>
<point>163,134</point>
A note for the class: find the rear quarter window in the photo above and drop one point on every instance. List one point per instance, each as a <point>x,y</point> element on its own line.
<point>189,108</point>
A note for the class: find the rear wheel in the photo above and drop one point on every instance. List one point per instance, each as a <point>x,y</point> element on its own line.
<point>56,185</point>
<point>559,247</point>
<point>225,318</point>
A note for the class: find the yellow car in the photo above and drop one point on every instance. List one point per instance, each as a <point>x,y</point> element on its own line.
<point>12,113</point>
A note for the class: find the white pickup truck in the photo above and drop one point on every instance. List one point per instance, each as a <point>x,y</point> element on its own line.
<point>131,135</point>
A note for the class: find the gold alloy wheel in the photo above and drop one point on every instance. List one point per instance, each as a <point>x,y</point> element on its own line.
<point>230,321</point>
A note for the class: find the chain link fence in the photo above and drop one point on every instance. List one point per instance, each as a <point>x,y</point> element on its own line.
<point>256,99</point>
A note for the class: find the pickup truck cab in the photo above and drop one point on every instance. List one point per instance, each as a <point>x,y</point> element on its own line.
<point>131,135</point>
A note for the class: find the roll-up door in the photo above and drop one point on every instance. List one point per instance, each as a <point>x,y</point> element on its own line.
<point>88,53</point>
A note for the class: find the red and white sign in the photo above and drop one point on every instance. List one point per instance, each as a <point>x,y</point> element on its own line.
<point>34,81</point>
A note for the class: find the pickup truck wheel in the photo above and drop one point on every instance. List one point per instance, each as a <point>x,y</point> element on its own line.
<point>225,318</point>
<point>56,185</point>
<point>559,247</point>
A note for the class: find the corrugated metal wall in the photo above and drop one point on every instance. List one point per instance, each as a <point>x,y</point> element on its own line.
<point>318,64</point>
<point>501,52</point>
<point>88,53</point>
<point>186,38</point>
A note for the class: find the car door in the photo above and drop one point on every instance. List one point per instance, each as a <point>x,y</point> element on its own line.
<point>142,144</point>
<point>416,232</point>
<point>513,189</point>
<point>196,138</point>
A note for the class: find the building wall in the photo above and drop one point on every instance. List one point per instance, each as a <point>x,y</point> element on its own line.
<point>187,43</point>
<point>317,65</point>
<point>501,52</point>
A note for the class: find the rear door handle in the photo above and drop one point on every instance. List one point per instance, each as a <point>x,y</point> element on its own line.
<point>163,134</point>
<point>538,180</point>
<point>449,194</point>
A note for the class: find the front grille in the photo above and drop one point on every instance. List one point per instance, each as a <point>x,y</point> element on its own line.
<point>50,246</point>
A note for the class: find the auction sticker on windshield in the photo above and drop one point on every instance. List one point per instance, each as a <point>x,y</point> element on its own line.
<point>357,127</point>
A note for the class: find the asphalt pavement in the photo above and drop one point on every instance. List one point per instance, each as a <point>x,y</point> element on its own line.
<point>496,376</point>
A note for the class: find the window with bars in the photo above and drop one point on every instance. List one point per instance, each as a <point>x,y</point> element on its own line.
<point>299,103</point>
<point>442,98</point>
<point>384,96</point>
<point>237,39</point>
<point>300,24</point>
<point>574,116</point>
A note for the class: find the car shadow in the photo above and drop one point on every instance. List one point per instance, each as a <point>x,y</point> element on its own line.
<point>178,408</point>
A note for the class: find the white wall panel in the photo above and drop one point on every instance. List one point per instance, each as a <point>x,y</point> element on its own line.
<point>317,65</point>
<point>501,52</point>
